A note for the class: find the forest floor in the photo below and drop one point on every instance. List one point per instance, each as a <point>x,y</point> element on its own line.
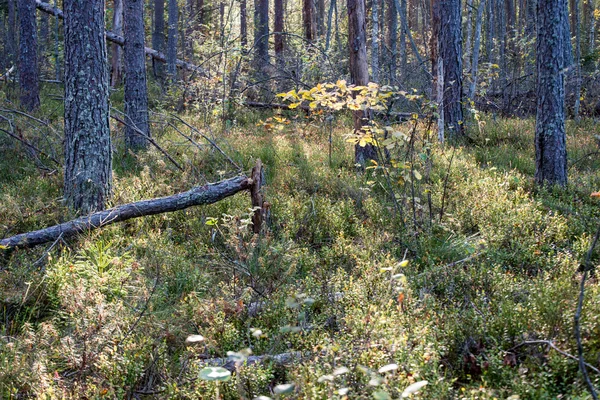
<point>487,295</point>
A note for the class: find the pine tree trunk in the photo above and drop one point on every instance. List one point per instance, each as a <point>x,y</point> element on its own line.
<point>88,174</point>
<point>261,35</point>
<point>158,36</point>
<point>577,62</point>
<point>469,39</point>
<point>375,42</point>
<point>172,39</point>
<point>116,51</point>
<point>29,84</point>
<point>308,20</point>
<point>403,31</point>
<point>450,43</point>
<point>550,139</point>
<point>279,40</point>
<point>11,42</point>
<point>359,71</point>
<point>243,25</point>
<point>320,14</point>
<point>136,92</point>
<point>329,24</point>
<point>476,49</point>
<point>392,40</point>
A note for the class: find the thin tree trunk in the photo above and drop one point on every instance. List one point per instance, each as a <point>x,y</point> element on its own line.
<point>375,42</point>
<point>476,47</point>
<point>172,39</point>
<point>550,138</point>
<point>440,98</point>
<point>243,25</point>
<point>136,93</point>
<point>359,72</point>
<point>467,55</point>
<point>392,40</point>
<point>320,14</point>
<point>158,35</point>
<point>57,44</point>
<point>329,24</point>
<point>11,43</point>
<point>403,31</point>
<point>88,173</point>
<point>117,53</point>
<point>29,84</point>
<point>279,41</point>
<point>577,61</point>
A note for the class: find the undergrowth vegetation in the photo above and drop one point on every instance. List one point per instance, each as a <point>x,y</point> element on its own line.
<point>457,272</point>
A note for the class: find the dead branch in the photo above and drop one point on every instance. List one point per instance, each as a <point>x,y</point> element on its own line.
<point>119,40</point>
<point>551,344</point>
<point>207,194</point>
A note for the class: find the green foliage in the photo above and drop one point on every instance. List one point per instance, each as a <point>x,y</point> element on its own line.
<point>330,278</point>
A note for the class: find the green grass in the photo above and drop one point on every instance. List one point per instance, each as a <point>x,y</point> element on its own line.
<point>109,313</point>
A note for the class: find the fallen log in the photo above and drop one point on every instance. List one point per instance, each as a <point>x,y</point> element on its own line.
<point>119,40</point>
<point>207,194</point>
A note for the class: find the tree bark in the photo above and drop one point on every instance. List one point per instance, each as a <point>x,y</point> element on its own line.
<point>11,42</point>
<point>136,92</point>
<point>117,53</point>
<point>308,22</point>
<point>207,194</point>
<point>172,39</point>
<point>320,14</point>
<point>375,41</point>
<point>476,48</point>
<point>279,40</point>
<point>158,35</point>
<point>261,35</point>
<point>88,158</point>
<point>359,72</point>
<point>243,25</point>
<point>329,24</point>
<point>392,40</point>
<point>29,84</point>
<point>450,43</point>
<point>550,138</point>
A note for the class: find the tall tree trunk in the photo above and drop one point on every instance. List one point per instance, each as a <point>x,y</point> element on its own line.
<point>279,40</point>
<point>467,55</point>
<point>44,37</point>
<point>450,43</point>
<point>158,36</point>
<point>403,34</point>
<point>359,71</point>
<point>261,35</point>
<point>172,39</point>
<point>308,20</point>
<point>392,39</point>
<point>116,61</point>
<point>28,64</point>
<point>57,63</point>
<point>11,43</point>
<point>375,41</point>
<point>489,37</point>
<point>88,174</point>
<point>243,25</point>
<point>329,24</point>
<point>550,138</point>
<point>136,92</point>
<point>476,48</point>
<point>320,14</point>
<point>577,61</point>
<point>592,25</point>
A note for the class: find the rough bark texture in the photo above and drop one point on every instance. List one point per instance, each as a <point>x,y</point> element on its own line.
<point>28,63</point>
<point>320,17</point>
<point>11,40</point>
<point>261,34</point>
<point>375,41</point>
<point>116,51</point>
<point>308,20</point>
<point>172,39</point>
<point>392,39</point>
<point>359,71</point>
<point>207,194</point>
<point>279,28</point>
<point>243,24</point>
<point>136,93</point>
<point>450,47</point>
<point>88,174</point>
<point>158,34</point>
<point>550,140</point>
<point>114,38</point>
<point>329,24</point>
